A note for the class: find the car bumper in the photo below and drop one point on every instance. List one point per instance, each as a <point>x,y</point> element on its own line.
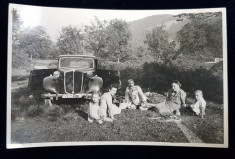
<point>79,95</point>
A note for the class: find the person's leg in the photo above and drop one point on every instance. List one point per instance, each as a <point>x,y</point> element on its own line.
<point>144,106</point>
<point>177,112</point>
<point>203,113</point>
<point>163,108</point>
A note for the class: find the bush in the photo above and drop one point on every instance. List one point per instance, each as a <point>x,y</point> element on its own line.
<point>158,78</point>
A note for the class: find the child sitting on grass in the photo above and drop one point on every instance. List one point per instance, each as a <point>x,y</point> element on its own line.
<point>200,105</point>
<point>93,109</point>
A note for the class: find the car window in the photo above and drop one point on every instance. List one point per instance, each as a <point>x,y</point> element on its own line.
<point>77,62</point>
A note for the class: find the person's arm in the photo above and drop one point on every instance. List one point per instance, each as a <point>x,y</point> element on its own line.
<point>183,97</point>
<point>110,106</point>
<point>127,97</point>
<point>202,107</point>
<point>141,94</point>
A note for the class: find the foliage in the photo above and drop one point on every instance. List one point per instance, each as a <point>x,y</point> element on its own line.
<point>109,39</point>
<point>19,57</point>
<point>158,77</point>
<point>35,42</point>
<point>96,37</point>
<point>70,41</point>
<point>118,39</point>
<point>202,36</point>
<point>158,44</point>
<point>16,24</point>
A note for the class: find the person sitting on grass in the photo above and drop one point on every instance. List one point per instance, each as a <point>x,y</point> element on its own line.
<point>176,98</point>
<point>134,97</point>
<point>93,109</point>
<point>107,109</point>
<point>199,106</point>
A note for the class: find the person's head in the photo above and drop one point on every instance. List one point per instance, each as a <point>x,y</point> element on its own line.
<point>198,94</point>
<point>113,89</point>
<point>131,82</point>
<point>95,97</point>
<point>175,85</point>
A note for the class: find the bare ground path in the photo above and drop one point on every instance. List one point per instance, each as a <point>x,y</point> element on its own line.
<point>192,138</point>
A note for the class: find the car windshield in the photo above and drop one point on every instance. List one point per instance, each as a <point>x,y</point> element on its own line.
<point>76,62</point>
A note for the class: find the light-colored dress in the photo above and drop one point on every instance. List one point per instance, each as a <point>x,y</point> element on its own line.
<point>175,100</point>
<point>196,107</point>
<point>107,108</point>
<point>135,95</point>
<point>93,110</point>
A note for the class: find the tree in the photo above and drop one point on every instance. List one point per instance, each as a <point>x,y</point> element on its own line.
<point>201,36</point>
<point>35,42</point>
<point>19,58</point>
<point>70,41</point>
<point>158,44</point>
<point>118,40</point>
<point>96,37</point>
<point>16,24</point>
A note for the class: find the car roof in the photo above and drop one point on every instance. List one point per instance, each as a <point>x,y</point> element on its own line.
<point>77,56</point>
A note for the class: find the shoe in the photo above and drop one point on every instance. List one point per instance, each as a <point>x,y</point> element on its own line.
<point>100,121</point>
<point>90,120</point>
<point>143,108</point>
<point>108,119</point>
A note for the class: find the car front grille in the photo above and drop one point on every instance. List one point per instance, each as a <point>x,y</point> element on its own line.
<point>73,81</point>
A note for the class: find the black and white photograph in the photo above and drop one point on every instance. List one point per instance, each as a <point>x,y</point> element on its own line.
<point>80,76</point>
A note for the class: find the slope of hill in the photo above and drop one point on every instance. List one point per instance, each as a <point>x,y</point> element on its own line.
<point>140,27</point>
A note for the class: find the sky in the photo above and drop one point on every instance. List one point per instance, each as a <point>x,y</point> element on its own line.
<point>53,19</point>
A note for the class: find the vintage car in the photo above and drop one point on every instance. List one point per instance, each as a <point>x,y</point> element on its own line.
<point>76,76</point>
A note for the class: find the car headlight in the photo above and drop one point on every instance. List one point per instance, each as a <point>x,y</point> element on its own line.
<point>89,74</point>
<point>56,74</point>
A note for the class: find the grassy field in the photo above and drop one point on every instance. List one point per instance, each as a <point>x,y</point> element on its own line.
<point>32,122</point>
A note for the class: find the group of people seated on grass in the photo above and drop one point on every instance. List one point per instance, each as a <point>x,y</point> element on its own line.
<point>103,109</point>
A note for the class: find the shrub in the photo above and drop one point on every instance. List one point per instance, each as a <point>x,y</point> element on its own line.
<point>158,77</point>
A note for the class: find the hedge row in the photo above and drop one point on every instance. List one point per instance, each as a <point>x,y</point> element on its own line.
<point>158,77</point>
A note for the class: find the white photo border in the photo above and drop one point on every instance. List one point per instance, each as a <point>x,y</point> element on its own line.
<point>48,144</point>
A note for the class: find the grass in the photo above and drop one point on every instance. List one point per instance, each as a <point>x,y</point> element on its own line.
<point>210,129</point>
<point>33,122</point>
<point>131,125</point>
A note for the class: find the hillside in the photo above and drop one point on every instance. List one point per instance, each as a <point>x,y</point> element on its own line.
<point>140,27</point>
